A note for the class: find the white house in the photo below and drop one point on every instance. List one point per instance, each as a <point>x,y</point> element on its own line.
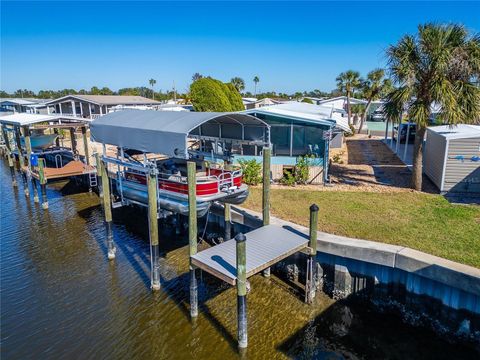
<point>92,106</point>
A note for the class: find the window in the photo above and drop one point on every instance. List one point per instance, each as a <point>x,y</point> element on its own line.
<point>280,138</point>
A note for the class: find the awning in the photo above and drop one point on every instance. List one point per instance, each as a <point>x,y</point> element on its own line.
<point>166,132</point>
<point>22,119</point>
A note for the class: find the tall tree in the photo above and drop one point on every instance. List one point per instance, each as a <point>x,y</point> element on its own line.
<point>440,64</point>
<point>375,87</point>
<point>209,94</point>
<point>347,83</point>
<point>238,83</point>
<point>152,83</point>
<point>196,76</point>
<point>256,80</point>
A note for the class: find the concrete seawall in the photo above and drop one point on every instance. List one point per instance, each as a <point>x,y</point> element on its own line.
<point>354,265</point>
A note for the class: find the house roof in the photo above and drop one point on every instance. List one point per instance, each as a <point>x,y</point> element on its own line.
<point>322,115</point>
<point>14,101</point>
<point>109,100</point>
<point>21,119</point>
<point>461,131</point>
<point>166,132</point>
<point>352,100</point>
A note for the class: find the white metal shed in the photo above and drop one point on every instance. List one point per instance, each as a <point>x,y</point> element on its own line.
<point>452,158</point>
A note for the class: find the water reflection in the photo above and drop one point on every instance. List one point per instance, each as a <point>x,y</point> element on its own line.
<point>62,298</point>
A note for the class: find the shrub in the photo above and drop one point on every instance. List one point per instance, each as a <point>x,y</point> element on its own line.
<point>307,100</point>
<point>301,169</point>
<point>288,178</point>
<point>252,171</point>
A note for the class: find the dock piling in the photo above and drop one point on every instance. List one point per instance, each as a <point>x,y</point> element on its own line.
<point>43,182</point>
<point>107,208</point>
<point>152,185</point>
<point>99,174</point>
<point>12,169</point>
<point>85,145</point>
<point>241,290</point>
<point>21,160</point>
<point>228,224</point>
<point>267,153</point>
<point>73,141</point>
<point>28,147</point>
<point>9,156</point>
<point>192,234</point>
<point>311,279</point>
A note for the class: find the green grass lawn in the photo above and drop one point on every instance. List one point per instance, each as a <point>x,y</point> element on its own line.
<point>425,222</point>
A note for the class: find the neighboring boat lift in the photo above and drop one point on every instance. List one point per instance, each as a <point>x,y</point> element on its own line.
<point>32,142</point>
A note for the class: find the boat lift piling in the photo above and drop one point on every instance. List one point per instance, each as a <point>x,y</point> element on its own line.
<point>107,208</point>
<point>9,156</point>
<point>85,145</point>
<point>192,235</point>
<point>21,159</point>
<point>73,141</point>
<point>28,146</point>
<point>152,186</point>
<point>228,223</point>
<point>43,182</point>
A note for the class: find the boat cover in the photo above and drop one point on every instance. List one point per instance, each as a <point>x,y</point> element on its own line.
<point>166,132</point>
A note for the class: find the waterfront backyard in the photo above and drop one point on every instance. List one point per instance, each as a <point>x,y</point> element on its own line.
<point>425,222</point>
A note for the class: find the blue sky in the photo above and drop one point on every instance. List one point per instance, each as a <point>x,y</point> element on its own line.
<point>291,46</point>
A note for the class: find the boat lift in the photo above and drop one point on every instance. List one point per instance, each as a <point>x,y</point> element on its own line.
<point>146,141</point>
<point>38,158</point>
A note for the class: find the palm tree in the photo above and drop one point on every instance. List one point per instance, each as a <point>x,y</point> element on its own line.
<point>256,80</point>
<point>238,83</point>
<point>347,83</point>
<point>375,87</point>
<point>441,64</point>
<point>152,83</point>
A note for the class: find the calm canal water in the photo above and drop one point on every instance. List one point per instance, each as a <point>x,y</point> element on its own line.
<point>62,299</point>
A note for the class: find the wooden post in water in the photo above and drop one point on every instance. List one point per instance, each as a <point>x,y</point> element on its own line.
<point>192,234</point>
<point>43,182</point>
<point>12,169</point>
<point>85,144</point>
<point>267,153</point>
<point>28,146</point>
<point>152,186</point>
<point>21,158</point>
<point>9,156</point>
<point>107,207</point>
<point>311,278</point>
<point>73,141</point>
<point>241,290</point>
<point>99,175</point>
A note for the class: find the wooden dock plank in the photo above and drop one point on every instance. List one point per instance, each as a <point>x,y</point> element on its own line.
<point>265,247</point>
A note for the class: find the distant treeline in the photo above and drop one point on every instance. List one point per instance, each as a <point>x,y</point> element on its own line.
<point>146,92</point>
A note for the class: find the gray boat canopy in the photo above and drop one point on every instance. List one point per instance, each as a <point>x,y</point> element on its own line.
<point>167,132</point>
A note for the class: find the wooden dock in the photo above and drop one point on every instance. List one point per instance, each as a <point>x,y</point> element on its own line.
<point>73,168</point>
<point>265,246</point>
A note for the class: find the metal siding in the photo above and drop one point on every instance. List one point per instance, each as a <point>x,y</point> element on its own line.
<point>434,157</point>
<point>463,175</point>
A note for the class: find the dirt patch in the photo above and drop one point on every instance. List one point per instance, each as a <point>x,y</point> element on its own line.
<point>367,164</point>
